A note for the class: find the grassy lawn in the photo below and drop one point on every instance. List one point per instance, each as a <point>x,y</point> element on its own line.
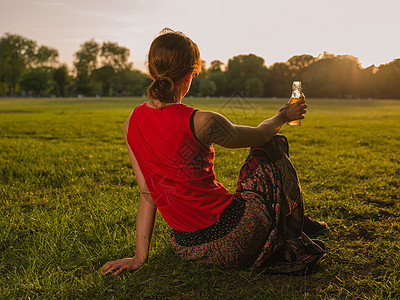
<point>68,200</point>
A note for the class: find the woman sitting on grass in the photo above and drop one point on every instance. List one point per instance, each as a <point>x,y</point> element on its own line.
<point>170,145</point>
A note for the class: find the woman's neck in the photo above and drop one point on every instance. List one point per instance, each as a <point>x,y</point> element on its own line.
<point>154,103</point>
<point>181,90</point>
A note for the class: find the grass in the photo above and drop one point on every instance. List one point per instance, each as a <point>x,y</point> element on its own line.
<point>68,201</point>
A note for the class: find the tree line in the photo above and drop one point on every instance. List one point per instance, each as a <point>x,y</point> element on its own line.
<point>103,69</point>
<point>28,69</point>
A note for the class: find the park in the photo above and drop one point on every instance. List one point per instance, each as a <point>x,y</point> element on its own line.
<point>73,203</point>
<point>68,202</point>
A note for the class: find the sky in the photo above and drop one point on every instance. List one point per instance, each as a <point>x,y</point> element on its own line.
<point>275,30</point>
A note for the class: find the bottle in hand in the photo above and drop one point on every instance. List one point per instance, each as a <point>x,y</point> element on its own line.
<point>296,93</point>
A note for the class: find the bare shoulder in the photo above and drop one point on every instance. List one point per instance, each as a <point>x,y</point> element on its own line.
<point>211,127</point>
<point>206,119</point>
<point>202,118</point>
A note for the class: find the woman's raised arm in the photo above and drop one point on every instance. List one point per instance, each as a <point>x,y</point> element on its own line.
<point>211,127</point>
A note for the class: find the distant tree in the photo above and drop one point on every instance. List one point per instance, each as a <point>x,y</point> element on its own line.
<point>242,67</point>
<point>218,76</point>
<point>3,87</point>
<point>116,56</point>
<point>115,69</point>
<point>348,75</point>
<point>298,63</point>
<point>215,66</point>
<point>37,81</point>
<point>15,54</point>
<point>44,57</point>
<point>326,55</point>
<point>19,56</point>
<point>207,87</point>
<point>61,80</point>
<point>86,56</point>
<point>102,69</point>
<point>83,84</point>
<point>221,82</point>
<point>104,76</point>
<point>388,80</point>
<point>85,62</point>
<point>317,82</point>
<point>280,80</point>
<point>253,87</point>
<point>334,76</point>
<point>105,69</point>
<point>368,82</point>
<point>132,83</point>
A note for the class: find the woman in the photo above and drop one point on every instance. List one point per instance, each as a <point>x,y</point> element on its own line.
<point>170,146</point>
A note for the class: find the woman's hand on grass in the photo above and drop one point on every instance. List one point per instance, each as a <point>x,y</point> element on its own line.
<point>125,264</point>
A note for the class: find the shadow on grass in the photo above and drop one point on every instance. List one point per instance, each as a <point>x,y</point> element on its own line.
<point>168,276</point>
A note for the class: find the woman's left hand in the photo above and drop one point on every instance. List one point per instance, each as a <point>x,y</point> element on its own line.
<point>125,264</point>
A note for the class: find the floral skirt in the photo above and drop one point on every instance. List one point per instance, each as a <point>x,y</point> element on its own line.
<point>263,226</point>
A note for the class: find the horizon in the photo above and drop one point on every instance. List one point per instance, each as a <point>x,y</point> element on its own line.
<point>363,29</point>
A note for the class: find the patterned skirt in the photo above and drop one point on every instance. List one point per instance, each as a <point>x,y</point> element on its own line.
<point>263,226</point>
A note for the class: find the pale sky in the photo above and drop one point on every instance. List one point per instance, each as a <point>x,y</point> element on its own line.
<point>275,30</point>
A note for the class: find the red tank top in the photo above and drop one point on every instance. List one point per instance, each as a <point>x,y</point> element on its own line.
<point>178,170</point>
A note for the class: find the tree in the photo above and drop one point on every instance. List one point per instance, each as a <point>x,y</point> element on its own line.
<point>242,67</point>
<point>110,76</point>
<point>85,62</point>
<point>61,79</point>
<point>15,53</point>
<point>44,57</point>
<point>115,56</point>
<point>221,83</point>
<point>132,82</point>
<point>368,80</point>
<point>37,81</point>
<point>218,77</point>
<point>388,78</point>
<point>280,80</point>
<point>333,76</point>
<point>298,63</point>
<point>207,87</point>
<point>86,57</point>
<point>114,61</point>
<point>19,55</point>
<point>348,76</point>
<point>215,66</point>
<point>254,87</point>
<point>105,76</point>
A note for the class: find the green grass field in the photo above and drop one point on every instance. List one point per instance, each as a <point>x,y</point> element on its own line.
<point>68,200</point>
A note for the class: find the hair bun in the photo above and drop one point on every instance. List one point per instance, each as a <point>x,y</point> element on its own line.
<point>162,78</point>
<point>163,87</point>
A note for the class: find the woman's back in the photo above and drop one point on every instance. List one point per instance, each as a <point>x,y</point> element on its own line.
<point>178,170</point>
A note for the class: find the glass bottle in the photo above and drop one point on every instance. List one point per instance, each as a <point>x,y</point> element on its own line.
<point>296,93</point>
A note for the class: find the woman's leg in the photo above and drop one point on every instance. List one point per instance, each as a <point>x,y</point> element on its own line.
<point>268,172</point>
